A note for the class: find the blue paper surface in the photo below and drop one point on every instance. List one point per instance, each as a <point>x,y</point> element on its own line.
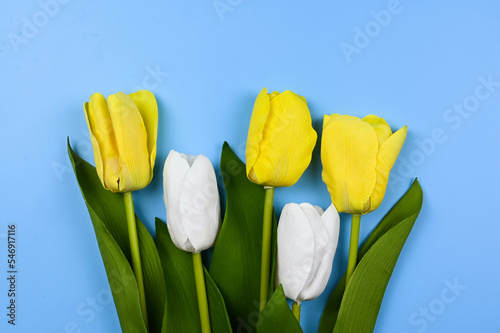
<point>434,66</point>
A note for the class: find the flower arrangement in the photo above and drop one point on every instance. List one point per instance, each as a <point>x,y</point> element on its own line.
<point>162,285</point>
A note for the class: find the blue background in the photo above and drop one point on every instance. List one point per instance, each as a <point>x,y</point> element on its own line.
<point>208,66</point>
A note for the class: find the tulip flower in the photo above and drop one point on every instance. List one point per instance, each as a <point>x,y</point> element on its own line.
<point>307,240</point>
<point>123,133</point>
<point>280,139</point>
<point>357,156</point>
<point>192,201</point>
<point>193,213</point>
<point>279,147</point>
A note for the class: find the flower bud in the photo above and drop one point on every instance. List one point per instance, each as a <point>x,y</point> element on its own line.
<point>280,140</point>
<point>307,241</point>
<point>192,201</point>
<point>357,156</point>
<point>123,133</point>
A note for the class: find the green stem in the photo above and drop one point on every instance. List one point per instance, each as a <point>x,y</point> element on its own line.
<point>296,310</point>
<point>201,291</point>
<point>266,245</point>
<point>134,250</point>
<point>353,246</point>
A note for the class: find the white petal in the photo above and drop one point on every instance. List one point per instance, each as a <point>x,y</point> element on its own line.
<point>295,250</point>
<point>174,172</point>
<point>199,204</point>
<point>331,222</point>
<point>319,210</point>
<point>189,158</point>
<point>321,248</point>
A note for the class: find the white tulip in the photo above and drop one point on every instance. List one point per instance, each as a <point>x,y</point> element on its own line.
<point>192,201</point>
<point>307,241</point>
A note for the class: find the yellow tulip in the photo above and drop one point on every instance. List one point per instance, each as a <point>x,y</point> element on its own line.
<point>123,132</point>
<point>357,156</point>
<point>280,139</point>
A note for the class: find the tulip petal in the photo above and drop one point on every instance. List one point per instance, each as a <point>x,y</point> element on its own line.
<point>199,204</point>
<point>319,210</point>
<point>131,141</point>
<point>321,250</point>
<point>95,147</point>
<point>272,95</point>
<point>146,103</point>
<point>174,172</point>
<point>295,243</point>
<point>255,132</point>
<point>349,157</point>
<point>288,140</point>
<point>103,140</point>
<point>331,221</point>
<point>381,127</point>
<point>387,155</point>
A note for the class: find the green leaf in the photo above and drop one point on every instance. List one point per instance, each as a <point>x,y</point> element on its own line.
<point>277,316</point>
<point>236,260</point>
<point>107,212</point>
<point>274,246</point>
<point>182,313</point>
<point>121,279</point>
<point>363,296</point>
<point>386,241</point>
<point>219,319</point>
<point>154,282</point>
<point>182,304</point>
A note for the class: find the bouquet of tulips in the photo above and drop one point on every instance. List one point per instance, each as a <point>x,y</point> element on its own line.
<point>162,285</point>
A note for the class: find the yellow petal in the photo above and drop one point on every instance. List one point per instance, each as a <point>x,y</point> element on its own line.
<point>146,103</point>
<point>131,141</point>
<point>349,155</point>
<point>382,129</point>
<point>102,137</point>
<point>287,142</point>
<point>387,155</point>
<point>255,132</point>
<point>272,95</point>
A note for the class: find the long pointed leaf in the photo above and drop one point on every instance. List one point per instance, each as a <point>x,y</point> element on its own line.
<point>219,319</point>
<point>154,284</point>
<point>277,316</point>
<point>235,265</point>
<point>121,279</point>
<point>182,304</point>
<point>108,217</point>
<point>365,291</point>
<point>182,313</point>
<point>406,207</point>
